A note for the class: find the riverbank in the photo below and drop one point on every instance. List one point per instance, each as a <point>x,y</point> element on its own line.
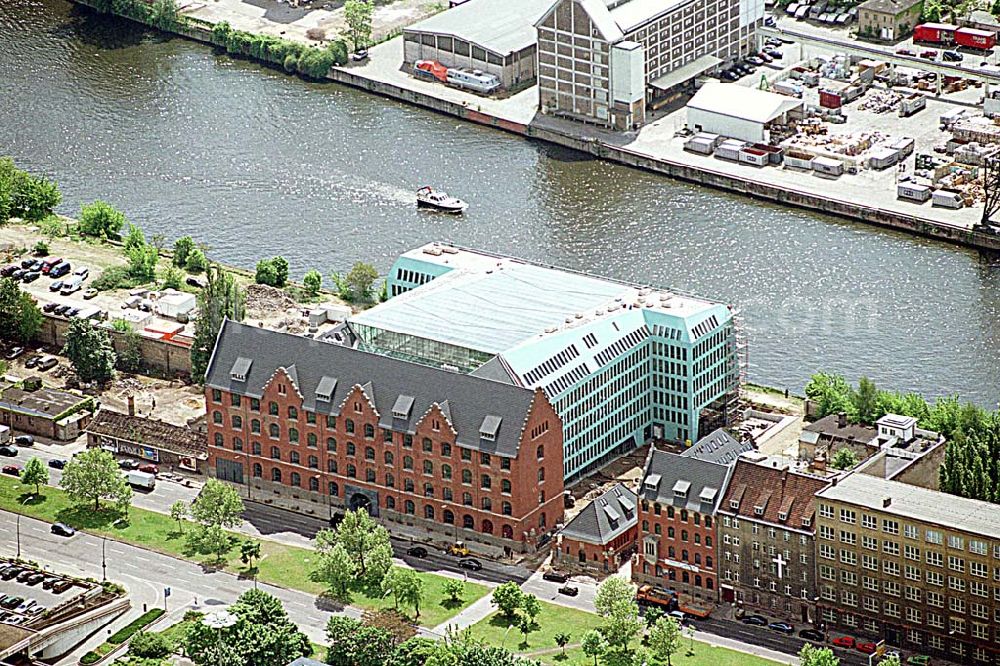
<point>654,148</point>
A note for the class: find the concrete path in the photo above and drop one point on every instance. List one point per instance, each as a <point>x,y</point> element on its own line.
<point>468,617</point>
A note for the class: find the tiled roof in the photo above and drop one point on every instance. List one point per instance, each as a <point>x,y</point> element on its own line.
<point>719,447</point>
<point>470,400</point>
<point>765,492</point>
<point>149,432</point>
<point>684,482</point>
<point>605,518</point>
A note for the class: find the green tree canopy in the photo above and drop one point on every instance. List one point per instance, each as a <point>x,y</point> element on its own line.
<point>615,602</point>
<point>813,656</point>
<point>35,473</point>
<point>365,541</point>
<point>405,587</point>
<point>313,282</point>
<point>594,645</point>
<point>844,458</point>
<point>508,597</point>
<point>218,504</point>
<point>221,298</point>
<point>25,196</point>
<point>358,16</point>
<point>665,638</point>
<point>101,220</point>
<point>93,475</point>
<point>90,351</point>
<point>20,317</point>
<point>355,644</point>
<point>183,247</point>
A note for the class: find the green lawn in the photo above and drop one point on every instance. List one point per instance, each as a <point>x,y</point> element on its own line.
<point>704,655</point>
<point>551,620</point>
<point>287,566</point>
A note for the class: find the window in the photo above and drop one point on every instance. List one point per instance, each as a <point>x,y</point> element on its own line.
<point>237,421</point>
<point>311,440</point>
<point>272,408</point>
<point>390,481</point>
<point>275,453</point>
<point>314,484</point>
<point>467,499</point>
<point>294,457</point>
<point>848,516</point>
<point>216,395</point>
<point>956,542</point>
<point>273,431</point>
<point>276,475</point>
<point>349,425</point>
<point>370,475</point>
<point>293,413</point>
<point>407,462</point>
<point>369,431</point>
<point>505,486</point>
<point>255,448</point>
<point>446,471</point>
<point>387,457</point>
<point>409,507</point>
<point>351,449</point>
<point>333,489</point>
<point>331,444</point>
<point>933,536</point>
<point>217,417</point>
<point>506,509</point>
<point>218,439</point>
<point>466,477</point>
<point>485,482</point>
<point>869,522</point>
<point>293,435</point>
<point>445,450</point>
<point>541,474</point>
<point>311,418</point>
<point>369,453</point>
<point>331,466</point>
<point>257,470</point>
<point>484,459</point>
<point>331,421</point>
<point>540,452</point>
<point>466,455</point>
<point>352,472</point>
<point>296,479</point>
<point>934,558</point>
<point>255,426</point>
<point>254,405</point>
<point>890,526</point>
<point>505,464</point>
<point>428,445</point>
<point>387,436</point>
<point>428,512</point>
<point>237,444</point>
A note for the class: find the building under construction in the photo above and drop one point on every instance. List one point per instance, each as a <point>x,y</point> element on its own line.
<point>622,363</point>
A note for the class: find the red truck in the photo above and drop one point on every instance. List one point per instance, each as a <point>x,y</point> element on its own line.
<point>976,39</point>
<point>935,33</point>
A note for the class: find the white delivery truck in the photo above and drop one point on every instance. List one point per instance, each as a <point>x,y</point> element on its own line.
<point>141,480</point>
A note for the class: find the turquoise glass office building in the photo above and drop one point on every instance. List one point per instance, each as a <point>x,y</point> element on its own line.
<point>621,363</point>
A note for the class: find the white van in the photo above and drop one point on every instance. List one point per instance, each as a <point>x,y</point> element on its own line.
<point>71,284</point>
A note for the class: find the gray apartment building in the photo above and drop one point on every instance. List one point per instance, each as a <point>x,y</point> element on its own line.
<point>604,61</point>
<point>767,541</point>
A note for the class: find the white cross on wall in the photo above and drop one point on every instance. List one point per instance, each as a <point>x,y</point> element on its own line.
<point>781,562</point>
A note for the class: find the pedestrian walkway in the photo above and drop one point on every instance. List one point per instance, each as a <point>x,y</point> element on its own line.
<point>476,611</point>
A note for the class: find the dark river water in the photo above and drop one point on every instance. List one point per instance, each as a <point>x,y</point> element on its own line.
<point>256,163</point>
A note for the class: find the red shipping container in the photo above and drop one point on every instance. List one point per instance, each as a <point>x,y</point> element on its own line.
<point>935,33</point>
<point>976,39</point>
<point>830,100</point>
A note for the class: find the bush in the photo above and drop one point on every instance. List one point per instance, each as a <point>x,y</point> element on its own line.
<point>172,278</point>
<point>116,277</point>
<point>291,62</point>
<point>196,261</point>
<point>135,625</point>
<point>41,248</point>
<point>183,246</point>
<point>101,220</point>
<point>23,195</point>
<point>316,34</point>
<point>149,646</point>
<point>316,63</point>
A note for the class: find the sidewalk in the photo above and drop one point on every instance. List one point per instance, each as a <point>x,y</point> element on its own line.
<point>479,610</point>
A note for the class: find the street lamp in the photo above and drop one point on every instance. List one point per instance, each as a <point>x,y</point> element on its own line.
<point>104,559</point>
<point>219,620</point>
<point>26,500</point>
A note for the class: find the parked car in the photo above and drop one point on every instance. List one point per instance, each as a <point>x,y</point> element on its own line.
<point>13,353</point>
<point>680,616</point>
<point>10,572</point>
<point>19,273</point>
<point>50,581</point>
<point>919,660</point>
<point>765,57</point>
<point>729,75</point>
<point>13,470</point>
<point>929,55</point>
<point>49,307</point>
<point>412,551</point>
<point>61,586</point>
<point>35,578</point>
<point>783,627</point>
<point>7,271</point>
<point>812,635</point>
<point>569,590</point>
<point>25,605</point>
<point>150,469</point>
<point>30,276</point>
<point>471,564</point>
<point>867,647</point>
<point>128,464</point>
<point>24,440</point>
<point>195,282</point>
<point>951,56</point>
<point>48,363</point>
<point>555,577</point>
<point>844,641</point>
<point>56,285</point>
<point>61,310</point>
<point>82,272</point>
<point>755,620</point>
<point>89,294</point>
<point>905,52</point>
<point>755,61</point>
<point>62,529</point>
<point>8,451</point>
<point>33,361</point>
<point>774,53</point>
<point>359,56</point>
<point>25,575</point>
<point>57,463</point>
<point>27,263</point>
<point>12,602</point>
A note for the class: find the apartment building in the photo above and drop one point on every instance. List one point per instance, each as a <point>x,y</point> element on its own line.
<point>316,427</point>
<point>767,531</point>
<point>603,61</point>
<point>678,499</point>
<point>602,535</point>
<point>915,567</point>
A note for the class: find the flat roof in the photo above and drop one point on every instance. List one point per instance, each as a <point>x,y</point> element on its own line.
<point>894,7</point>
<point>45,402</point>
<point>634,13</point>
<point>492,304</point>
<point>496,25</point>
<point>689,71</point>
<point>736,101</point>
<point>916,503</point>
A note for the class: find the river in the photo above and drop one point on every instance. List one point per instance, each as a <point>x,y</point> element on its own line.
<point>256,163</point>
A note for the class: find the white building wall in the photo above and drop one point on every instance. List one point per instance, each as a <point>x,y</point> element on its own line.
<point>728,126</point>
<point>628,72</point>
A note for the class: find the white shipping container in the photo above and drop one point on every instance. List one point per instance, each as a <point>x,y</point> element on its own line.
<point>699,145</point>
<point>882,158</point>
<point>754,157</point>
<point>947,199</point>
<point>913,192</point>
<point>828,166</point>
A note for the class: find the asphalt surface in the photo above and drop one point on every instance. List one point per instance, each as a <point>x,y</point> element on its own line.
<point>771,639</point>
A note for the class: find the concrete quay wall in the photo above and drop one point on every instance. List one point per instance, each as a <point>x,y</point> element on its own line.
<point>674,169</point>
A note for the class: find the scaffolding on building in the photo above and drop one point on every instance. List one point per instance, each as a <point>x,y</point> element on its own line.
<point>737,393</point>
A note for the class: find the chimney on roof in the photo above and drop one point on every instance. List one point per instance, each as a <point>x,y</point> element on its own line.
<point>886,501</point>
<point>131,405</point>
<point>842,419</point>
<point>784,476</point>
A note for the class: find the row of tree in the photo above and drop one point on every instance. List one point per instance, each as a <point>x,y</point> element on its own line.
<point>22,195</point>
<point>971,466</point>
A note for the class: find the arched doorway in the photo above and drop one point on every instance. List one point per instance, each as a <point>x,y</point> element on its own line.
<point>487,526</point>
<point>508,532</point>
<point>360,501</point>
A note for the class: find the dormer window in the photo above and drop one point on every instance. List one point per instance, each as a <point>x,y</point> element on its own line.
<point>240,369</point>
<point>806,521</point>
<point>782,516</point>
<point>681,488</point>
<point>489,428</point>
<point>734,505</point>
<point>758,510</point>
<point>324,391</point>
<point>652,482</point>
<point>401,408</point>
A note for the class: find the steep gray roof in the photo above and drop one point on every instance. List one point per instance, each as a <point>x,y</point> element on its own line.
<point>605,518</point>
<point>703,482</point>
<point>719,447</point>
<point>468,400</point>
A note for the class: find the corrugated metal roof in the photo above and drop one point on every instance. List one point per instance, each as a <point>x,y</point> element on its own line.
<point>501,26</point>
<point>736,101</point>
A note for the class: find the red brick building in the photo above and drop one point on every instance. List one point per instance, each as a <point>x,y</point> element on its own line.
<point>317,427</point>
<point>602,534</point>
<point>678,500</point>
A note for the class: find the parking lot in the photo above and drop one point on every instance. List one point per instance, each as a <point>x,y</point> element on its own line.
<point>26,592</point>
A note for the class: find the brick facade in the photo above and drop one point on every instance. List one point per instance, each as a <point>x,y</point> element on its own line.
<point>686,544</point>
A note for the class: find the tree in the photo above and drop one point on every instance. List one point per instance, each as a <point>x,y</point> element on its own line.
<point>844,458</point>
<point>313,282</point>
<point>221,298</point>
<point>35,474</point>
<point>995,8</point>
<point>405,587</point>
<point>172,278</point>
<point>358,15</point>
<point>454,588</point>
<point>210,539</point>
<point>355,644</point>
<point>414,651</point>
<point>249,551</point>
<point>360,280</point>
<point>40,249</point>
<point>265,273</point>
<point>892,660</point>
<point>101,220</point>
<point>179,511</point>
<point>652,614</point>
<point>90,351</point>
<point>93,475</point>
<point>280,270</point>
<point>593,644</point>
<point>196,261</point>
<point>336,568</point>
<point>164,14</point>
<point>366,542</point>
<point>23,195</point>
<point>20,317</point>
<point>508,597</point>
<point>665,638</point>
<point>217,508</point>
<point>142,257</point>
<point>866,400</point>
<point>524,625</point>
<point>615,602</point>
<point>183,247</point>
<point>531,606</point>
<point>149,645</point>
<point>130,357</point>
<point>562,640</point>
<point>813,656</point>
